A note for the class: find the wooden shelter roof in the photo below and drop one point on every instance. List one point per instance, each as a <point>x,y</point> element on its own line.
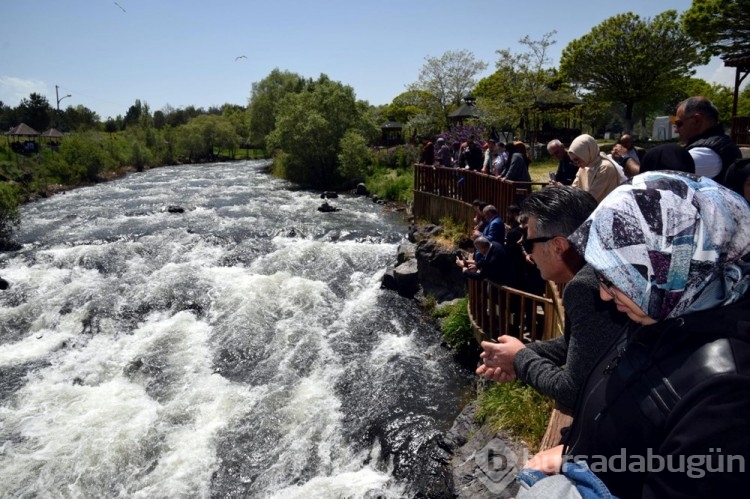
<point>465,110</point>
<point>738,62</point>
<point>52,133</point>
<point>392,125</point>
<point>22,130</point>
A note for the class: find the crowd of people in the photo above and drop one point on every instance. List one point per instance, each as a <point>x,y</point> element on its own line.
<point>508,161</point>
<point>654,363</point>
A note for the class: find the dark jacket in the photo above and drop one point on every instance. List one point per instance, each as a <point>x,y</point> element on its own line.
<point>591,325</point>
<point>677,390</point>
<point>495,266</point>
<point>566,171</point>
<point>715,139</point>
<point>518,171</point>
<point>471,156</point>
<point>495,230</point>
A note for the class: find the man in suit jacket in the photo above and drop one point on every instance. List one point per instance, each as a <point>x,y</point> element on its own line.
<point>494,230</point>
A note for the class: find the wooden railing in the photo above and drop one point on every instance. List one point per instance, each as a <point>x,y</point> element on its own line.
<point>448,192</point>
<point>465,186</point>
<point>496,310</point>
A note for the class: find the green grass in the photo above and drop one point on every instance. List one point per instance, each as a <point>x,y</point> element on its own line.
<point>391,184</point>
<point>539,170</point>
<point>516,408</point>
<point>455,324</point>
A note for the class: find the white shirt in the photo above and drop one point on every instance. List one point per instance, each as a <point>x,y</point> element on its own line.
<point>707,162</point>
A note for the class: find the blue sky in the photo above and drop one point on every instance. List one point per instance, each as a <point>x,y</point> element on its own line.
<point>183,52</point>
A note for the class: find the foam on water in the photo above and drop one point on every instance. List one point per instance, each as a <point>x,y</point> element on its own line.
<point>241,348</point>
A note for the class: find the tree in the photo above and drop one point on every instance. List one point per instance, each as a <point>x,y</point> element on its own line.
<point>355,157</point>
<point>309,128</point>
<point>133,116</point>
<point>411,103</point>
<point>266,97</point>
<point>80,118</point>
<point>722,27</point>
<point>631,60</point>
<point>449,77</point>
<point>505,98</point>
<point>35,112</point>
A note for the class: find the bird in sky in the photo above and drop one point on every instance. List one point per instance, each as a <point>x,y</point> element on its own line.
<point>240,57</point>
<point>120,6</point>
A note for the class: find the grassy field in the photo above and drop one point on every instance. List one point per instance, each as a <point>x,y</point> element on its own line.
<point>540,170</point>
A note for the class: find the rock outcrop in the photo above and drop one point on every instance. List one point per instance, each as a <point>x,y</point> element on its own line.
<point>485,462</point>
<point>426,264</point>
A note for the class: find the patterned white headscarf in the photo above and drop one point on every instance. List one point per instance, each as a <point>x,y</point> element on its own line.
<point>671,242</point>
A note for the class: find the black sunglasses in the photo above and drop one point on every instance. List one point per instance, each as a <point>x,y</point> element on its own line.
<point>606,284</point>
<point>528,244</point>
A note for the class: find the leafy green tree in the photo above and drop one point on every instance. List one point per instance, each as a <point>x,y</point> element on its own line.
<point>35,112</point>
<point>7,116</point>
<point>309,128</point>
<point>239,118</point>
<point>265,99</point>
<point>449,77</point>
<point>83,152</point>
<point>630,60</point>
<point>743,106</point>
<point>355,156</point>
<point>411,103</point>
<point>721,26</point>
<point>160,119</point>
<point>133,116</point>
<point>521,79</point>
<point>80,118</point>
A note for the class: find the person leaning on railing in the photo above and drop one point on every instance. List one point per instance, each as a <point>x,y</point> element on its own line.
<point>492,263</point>
<point>590,323</point>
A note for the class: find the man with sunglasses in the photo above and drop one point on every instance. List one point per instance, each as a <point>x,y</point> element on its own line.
<point>590,323</point>
<point>697,124</point>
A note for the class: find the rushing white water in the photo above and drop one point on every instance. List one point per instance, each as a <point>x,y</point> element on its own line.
<point>242,348</point>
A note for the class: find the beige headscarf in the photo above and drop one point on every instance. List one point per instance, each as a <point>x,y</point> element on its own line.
<point>585,147</point>
<point>600,176</point>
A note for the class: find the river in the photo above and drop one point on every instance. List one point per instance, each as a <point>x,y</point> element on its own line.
<point>242,348</point>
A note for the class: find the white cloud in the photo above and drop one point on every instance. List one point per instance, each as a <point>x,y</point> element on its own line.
<point>13,90</point>
<point>716,72</point>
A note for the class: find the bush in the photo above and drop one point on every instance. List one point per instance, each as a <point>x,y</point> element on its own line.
<point>391,184</point>
<point>140,156</point>
<point>516,408</point>
<point>455,325</point>
<point>397,157</point>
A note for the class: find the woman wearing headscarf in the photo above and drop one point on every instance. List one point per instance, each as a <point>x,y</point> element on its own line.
<point>596,175</point>
<point>666,412</point>
<point>518,169</point>
<point>668,157</point>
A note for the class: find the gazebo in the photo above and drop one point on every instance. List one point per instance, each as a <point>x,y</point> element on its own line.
<point>740,124</point>
<point>52,136</point>
<point>23,131</point>
<point>391,133</point>
<point>561,107</point>
<point>465,111</point>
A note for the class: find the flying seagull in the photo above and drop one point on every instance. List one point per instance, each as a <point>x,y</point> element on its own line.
<point>240,57</point>
<point>120,6</point>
